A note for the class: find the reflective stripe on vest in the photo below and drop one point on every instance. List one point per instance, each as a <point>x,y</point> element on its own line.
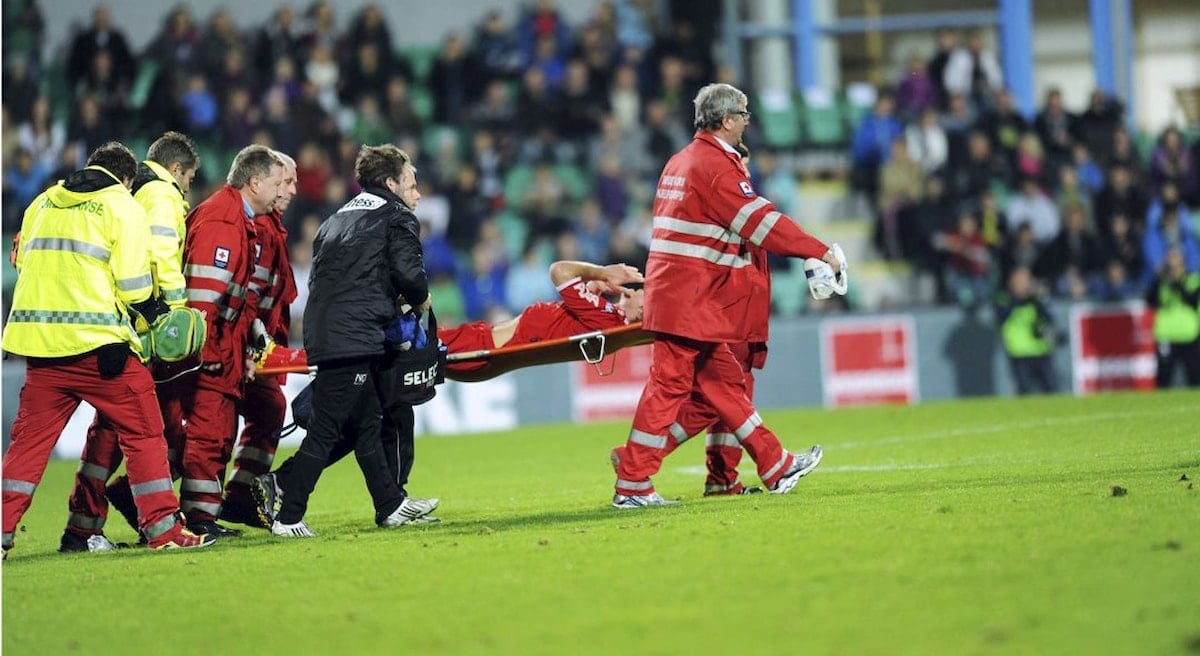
<point>64,316</point>
<point>67,245</point>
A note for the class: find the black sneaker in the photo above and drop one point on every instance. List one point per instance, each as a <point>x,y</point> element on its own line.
<point>72,543</point>
<point>209,527</point>
<point>241,511</point>
<point>120,497</point>
<point>268,497</point>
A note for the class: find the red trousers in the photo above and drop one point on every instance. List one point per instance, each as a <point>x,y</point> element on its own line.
<point>88,505</point>
<point>264,408</point>
<point>208,434</point>
<point>52,392</point>
<point>681,371</point>
<point>723,450</point>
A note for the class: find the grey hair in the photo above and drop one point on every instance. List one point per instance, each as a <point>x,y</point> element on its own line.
<point>714,102</point>
<point>284,159</point>
<point>250,162</point>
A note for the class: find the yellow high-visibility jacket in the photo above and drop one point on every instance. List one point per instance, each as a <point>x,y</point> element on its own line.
<point>166,209</point>
<point>83,259</point>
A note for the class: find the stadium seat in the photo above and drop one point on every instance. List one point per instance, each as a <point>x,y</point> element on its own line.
<point>516,181</point>
<point>422,101</point>
<point>778,117</point>
<point>514,229</point>
<point>421,58</point>
<point>451,309</point>
<point>823,121</point>
<point>57,90</point>
<point>574,179</point>
<point>433,135</point>
<point>146,74</point>
<point>789,292</point>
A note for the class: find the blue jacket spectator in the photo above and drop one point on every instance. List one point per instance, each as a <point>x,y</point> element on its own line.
<point>1169,230</point>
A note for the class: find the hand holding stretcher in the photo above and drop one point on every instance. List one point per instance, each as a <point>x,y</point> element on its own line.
<point>591,347</point>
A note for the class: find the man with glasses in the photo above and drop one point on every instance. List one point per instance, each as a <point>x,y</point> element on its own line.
<point>707,220</point>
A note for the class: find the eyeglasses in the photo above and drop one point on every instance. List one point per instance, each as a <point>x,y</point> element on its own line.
<point>744,114</point>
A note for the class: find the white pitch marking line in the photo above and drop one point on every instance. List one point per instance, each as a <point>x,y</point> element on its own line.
<point>1000,428</point>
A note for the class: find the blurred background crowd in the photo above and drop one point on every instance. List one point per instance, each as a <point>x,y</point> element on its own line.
<point>539,139</point>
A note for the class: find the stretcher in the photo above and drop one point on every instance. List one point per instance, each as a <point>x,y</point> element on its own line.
<point>592,347</point>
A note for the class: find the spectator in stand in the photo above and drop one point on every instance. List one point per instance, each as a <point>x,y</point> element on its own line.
<point>369,27</point>
<point>365,75</point>
<point>542,21</point>
<point>1056,128</point>
<point>496,111</point>
<point>233,74</point>
<point>549,61</point>
<point>673,89</point>
<point>23,30</point>
<point>278,122</point>
<point>612,191</point>
<point>871,146</point>
<point>220,38</point>
<point>323,72</point>
<point>958,122</point>
<point>1031,158</point>
<point>90,130</point>
<point>626,146</point>
<point>1099,122</point>
<point>900,187</point>
<point>439,257</point>
<point>592,232</point>
<point>278,39</point>
<point>370,126</point>
<point>983,168</point>
<point>1020,252</point>
<point>625,99</point>
<point>536,105</point>
<point>927,143</point>
<point>468,209</point>
<point>1171,162</point>
<point>1004,124</point>
<point>110,89</point>
<point>322,30</point>
<point>24,178</point>
<point>968,270</point>
<point>1074,256</point>
<point>1116,285</point>
<point>401,116</point>
<point>916,92</point>
<point>544,203</point>
<point>1167,227</point>
<point>776,181</point>
<point>310,118</point>
<point>1122,246</point>
<point>1034,207</point>
<point>1071,195</point>
<point>495,54</point>
<point>200,106</point>
<point>483,284</point>
<point>527,282</point>
<point>42,135</point>
<point>452,80</point>
<point>490,166</point>
<point>935,212</point>
<point>19,88</point>
<point>1091,176</point>
<point>177,46</point>
<point>993,222</point>
<point>240,120</point>
<point>1124,153</point>
<point>1175,297</point>
<point>947,43</point>
<point>101,36</point>
<point>580,109</point>
<point>283,77</point>
<point>974,72</point>
<point>1120,196</point>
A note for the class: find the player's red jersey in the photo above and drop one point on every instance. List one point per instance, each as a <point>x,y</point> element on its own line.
<point>579,311</point>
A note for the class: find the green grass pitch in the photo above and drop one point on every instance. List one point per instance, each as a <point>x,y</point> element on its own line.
<point>971,527</point>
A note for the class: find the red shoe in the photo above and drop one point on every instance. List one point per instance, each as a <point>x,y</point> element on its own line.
<point>181,538</point>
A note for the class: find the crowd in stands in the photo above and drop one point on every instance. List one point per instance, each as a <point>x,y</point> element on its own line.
<point>539,139</point>
<point>967,190</point>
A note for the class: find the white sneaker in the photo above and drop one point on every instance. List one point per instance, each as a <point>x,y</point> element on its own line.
<point>802,464</point>
<point>641,501</point>
<point>410,510</point>
<point>297,530</point>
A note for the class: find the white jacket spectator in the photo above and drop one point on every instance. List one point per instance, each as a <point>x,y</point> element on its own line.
<point>960,69</point>
<point>1032,206</point>
<point>927,143</point>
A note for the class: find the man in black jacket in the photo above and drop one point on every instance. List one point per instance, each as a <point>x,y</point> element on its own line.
<point>365,256</point>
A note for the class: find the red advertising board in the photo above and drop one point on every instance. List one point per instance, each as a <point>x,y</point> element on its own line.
<point>610,389</point>
<point>869,360</point>
<point>1112,347</point>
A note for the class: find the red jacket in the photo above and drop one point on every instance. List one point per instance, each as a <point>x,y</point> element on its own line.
<point>273,279</point>
<point>701,278</point>
<point>219,256</point>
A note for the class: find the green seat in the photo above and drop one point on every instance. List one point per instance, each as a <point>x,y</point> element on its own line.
<point>824,125</point>
<point>432,136</point>
<point>146,74</point>
<point>513,229</point>
<point>448,301</point>
<point>57,89</point>
<point>422,101</point>
<point>421,58</point>
<point>574,179</point>
<point>778,118</point>
<point>516,181</point>
<point>789,291</point>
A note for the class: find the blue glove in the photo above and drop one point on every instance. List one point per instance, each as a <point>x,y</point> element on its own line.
<point>405,332</point>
